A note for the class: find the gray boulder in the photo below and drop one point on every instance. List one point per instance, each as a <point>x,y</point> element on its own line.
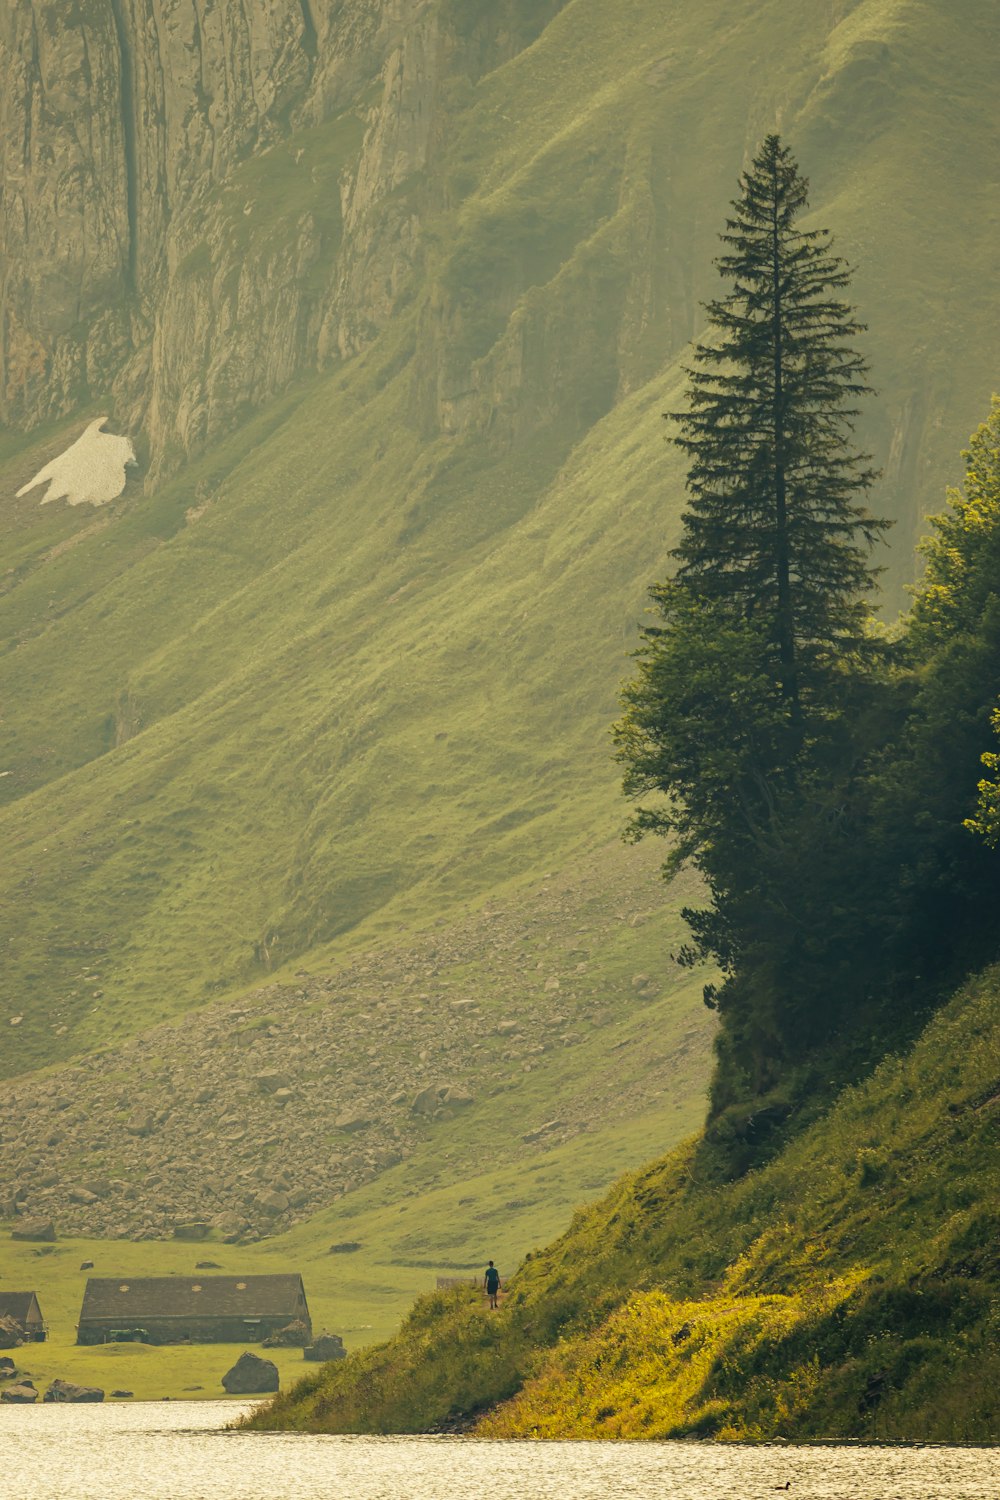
<point>251,1376</point>
<point>295,1335</point>
<point>11,1333</point>
<point>270,1081</point>
<point>457,1097</point>
<point>34,1229</point>
<point>192,1229</point>
<point>66,1390</point>
<point>328,1346</point>
<point>426,1102</point>
<point>271,1202</point>
<point>21,1394</point>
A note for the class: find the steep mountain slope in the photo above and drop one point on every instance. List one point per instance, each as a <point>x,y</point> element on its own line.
<point>847,1289</point>
<point>352,665</point>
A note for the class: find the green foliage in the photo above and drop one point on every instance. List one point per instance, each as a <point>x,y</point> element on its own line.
<point>987,819</point>
<point>750,687</point>
<point>960,593</point>
<point>963,554</point>
<point>704,722</point>
<point>775,531</point>
<point>848,888</point>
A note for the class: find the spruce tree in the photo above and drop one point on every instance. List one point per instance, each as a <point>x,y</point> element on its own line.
<point>776,530</point>
<point>755,674</point>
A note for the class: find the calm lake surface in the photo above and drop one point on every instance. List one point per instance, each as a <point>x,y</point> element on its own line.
<point>159,1451</point>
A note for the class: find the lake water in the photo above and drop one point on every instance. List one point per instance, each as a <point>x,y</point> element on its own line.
<point>159,1451</point>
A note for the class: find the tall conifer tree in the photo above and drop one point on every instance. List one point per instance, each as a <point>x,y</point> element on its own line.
<point>776,530</point>
<point>739,710</point>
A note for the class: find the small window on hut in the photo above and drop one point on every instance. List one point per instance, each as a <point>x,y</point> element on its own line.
<point>196,1287</point>
<point>241,1286</point>
<point>123,1287</point>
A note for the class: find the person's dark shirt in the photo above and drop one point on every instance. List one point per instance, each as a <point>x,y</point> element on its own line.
<point>492,1279</point>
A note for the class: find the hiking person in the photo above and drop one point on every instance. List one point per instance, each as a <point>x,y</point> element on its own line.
<point>491,1284</point>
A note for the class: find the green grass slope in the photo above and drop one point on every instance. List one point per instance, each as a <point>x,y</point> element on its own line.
<point>848,1289</point>
<point>355,665</point>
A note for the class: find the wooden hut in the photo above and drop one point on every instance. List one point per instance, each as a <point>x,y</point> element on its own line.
<point>22,1308</point>
<point>190,1309</point>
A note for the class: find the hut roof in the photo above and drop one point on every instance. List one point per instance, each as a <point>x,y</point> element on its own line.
<point>183,1296</point>
<point>20,1306</point>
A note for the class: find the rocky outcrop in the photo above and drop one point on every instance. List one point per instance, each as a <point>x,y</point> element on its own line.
<point>251,1376</point>
<point>66,1390</point>
<point>101,200</point>
<point>247,199</point>
<point>139,250</point>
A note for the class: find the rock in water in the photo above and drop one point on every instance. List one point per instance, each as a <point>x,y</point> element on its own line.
<point>20,1395</point>
<point>90,472</point>
<point>66,1390</point>
<point>251,1376</point>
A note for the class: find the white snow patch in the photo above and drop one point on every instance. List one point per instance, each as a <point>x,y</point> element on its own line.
<point>90,472</point>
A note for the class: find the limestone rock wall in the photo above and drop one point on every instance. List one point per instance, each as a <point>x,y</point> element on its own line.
<point>174,235</point>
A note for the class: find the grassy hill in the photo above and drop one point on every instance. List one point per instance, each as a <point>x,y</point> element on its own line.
<point>847,1289</point>
<point>354,665</point>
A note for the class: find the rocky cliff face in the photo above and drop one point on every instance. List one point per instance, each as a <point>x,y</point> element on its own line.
<point>202,200</point>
